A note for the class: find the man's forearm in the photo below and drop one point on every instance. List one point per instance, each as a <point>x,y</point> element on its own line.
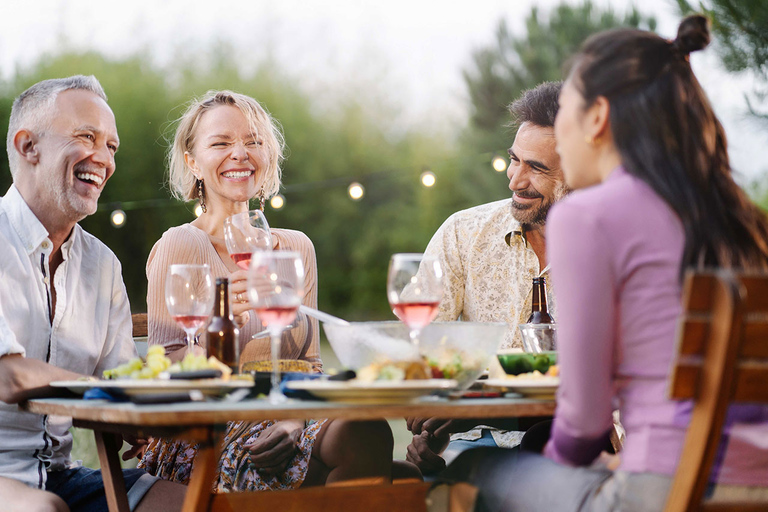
<point>463,425</point>
<point>22,378</point>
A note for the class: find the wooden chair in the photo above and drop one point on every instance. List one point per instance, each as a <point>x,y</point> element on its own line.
<point>722,358</point>
<point>140,332</point>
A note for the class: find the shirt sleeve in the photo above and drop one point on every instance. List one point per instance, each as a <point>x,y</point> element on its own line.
<point>444,245</point>
<point>585,289</point>
<point>311,331</point>
<point>175,246</point>
<point>8,343</point>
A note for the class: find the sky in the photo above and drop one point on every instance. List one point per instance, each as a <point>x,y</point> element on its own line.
<point>414,50</point>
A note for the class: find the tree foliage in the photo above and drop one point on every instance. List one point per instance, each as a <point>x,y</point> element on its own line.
<point>327,151</point>
<point>741,31</point>
<point>510,64</point>
<point>513,63</point>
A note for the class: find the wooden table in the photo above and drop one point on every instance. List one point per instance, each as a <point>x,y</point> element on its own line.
<point>205,423</point>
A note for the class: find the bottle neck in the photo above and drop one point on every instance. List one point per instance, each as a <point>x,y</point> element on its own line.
<point>222,300</point>
<point>540,296</point>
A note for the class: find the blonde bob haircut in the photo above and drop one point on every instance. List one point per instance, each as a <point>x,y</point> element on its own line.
<point>182,182</point>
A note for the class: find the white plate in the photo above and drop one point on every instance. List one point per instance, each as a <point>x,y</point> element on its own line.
<point>543,387</point>
<point>135,387</point>
<point>372,392</point>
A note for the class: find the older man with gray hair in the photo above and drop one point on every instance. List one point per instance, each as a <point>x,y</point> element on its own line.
<point>64,311</point>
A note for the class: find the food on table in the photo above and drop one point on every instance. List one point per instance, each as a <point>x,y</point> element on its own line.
<point>456,364</point>
<point>515,363</point>
<point>157,362</point>
<point>393,371</point>
<point>552,371</point>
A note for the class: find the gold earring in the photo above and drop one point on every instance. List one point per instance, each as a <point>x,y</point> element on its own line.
<point>201,195</point>
<point>592,141</point>
<point>262,199</point>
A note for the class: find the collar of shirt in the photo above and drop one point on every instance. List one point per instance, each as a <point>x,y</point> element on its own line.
<point>27,226</point>
<point>517,235</point>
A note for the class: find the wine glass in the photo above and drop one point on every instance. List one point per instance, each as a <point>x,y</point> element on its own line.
<point>275,289</point>
<point>189,297</point>
<point>414,290</point>
<point>244,233</point>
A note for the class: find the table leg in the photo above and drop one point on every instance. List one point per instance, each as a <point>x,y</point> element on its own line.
<point>198,495</point>
<point>108,446</point>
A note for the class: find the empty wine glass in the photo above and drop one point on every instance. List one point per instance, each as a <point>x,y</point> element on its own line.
<point>244,233</point>
<point>189,297</point>
<point>414,290</point>
<point>275,289</point>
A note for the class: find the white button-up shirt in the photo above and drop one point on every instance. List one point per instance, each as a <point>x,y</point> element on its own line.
<point>90,331</point>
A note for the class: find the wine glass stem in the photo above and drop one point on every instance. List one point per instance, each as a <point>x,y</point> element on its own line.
<point>190,341</point>
<point>275,393</point>
<point>414,334</point>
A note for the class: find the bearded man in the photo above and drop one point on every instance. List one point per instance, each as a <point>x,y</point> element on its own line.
<point>490,255</point>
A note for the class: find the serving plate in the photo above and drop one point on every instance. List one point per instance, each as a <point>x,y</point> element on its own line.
<point>542,387</point>
<point>376,392</point>
<point>136,387</point>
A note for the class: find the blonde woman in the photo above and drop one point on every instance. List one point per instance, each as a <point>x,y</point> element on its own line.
<point>227,150</point>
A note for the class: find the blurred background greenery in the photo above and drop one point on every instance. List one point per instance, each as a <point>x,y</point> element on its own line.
<point>348,136</point>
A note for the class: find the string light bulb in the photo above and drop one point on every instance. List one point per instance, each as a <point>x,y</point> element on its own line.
<point>428,179</point>
<point>499,163</point>
<point>355,191</point>
<point>117,218</point>
<point>277,202</point>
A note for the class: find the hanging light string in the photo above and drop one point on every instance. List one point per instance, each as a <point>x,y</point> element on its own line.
<point>354,185</point>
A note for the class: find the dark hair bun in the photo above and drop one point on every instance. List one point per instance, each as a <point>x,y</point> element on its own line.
<point>692,34</point>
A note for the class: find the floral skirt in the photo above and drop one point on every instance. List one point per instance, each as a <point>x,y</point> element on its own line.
<point>172,460</point>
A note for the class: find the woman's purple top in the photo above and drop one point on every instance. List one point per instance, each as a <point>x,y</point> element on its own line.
<point>615,251</point>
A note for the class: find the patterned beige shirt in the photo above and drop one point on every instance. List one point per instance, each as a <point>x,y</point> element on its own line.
<point>488,270</point>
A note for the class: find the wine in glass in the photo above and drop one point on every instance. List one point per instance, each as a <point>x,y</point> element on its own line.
<point>244,233</point>
<point>275,290</point>
<point>189,297</point>
<point>414,290</point>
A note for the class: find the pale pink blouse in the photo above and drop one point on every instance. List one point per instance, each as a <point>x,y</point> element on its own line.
<point>188,244</point>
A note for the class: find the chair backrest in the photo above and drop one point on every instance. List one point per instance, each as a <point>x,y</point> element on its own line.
<point>140,332</point>
<point>722,358</point>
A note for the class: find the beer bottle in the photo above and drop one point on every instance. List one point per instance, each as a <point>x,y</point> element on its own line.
<point>539,312</point>
<point>222,332</point>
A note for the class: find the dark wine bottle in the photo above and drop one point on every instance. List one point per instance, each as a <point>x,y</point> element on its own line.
<point>222,333</point>
<point>539,311</point>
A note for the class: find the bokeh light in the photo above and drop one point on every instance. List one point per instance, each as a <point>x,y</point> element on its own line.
<point>277,202</point>
<point>499,163</point>
<point>117,218</point>
<point>428,178</point>
<point>356,191</point>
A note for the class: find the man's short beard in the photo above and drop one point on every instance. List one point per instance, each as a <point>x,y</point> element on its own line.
<point>537,215</point>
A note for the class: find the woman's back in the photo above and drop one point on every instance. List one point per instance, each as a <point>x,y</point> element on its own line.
<point>632,276</point>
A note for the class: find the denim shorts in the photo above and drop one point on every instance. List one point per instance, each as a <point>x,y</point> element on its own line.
<point>82,489</point>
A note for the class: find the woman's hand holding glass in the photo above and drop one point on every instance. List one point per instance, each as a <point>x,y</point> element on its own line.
<point>275,290</point>
<point>245,233</point>
<point>189,295</point>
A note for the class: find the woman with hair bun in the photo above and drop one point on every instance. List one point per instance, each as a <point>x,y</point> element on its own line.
<point>653,196</point>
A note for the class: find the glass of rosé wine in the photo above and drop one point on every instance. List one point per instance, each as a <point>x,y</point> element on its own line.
<point>414,290</point>
<point>275,290</point>
<point>244,233</point>
<point>189,297</point>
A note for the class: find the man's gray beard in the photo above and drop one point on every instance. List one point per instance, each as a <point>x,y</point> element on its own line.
<point>531,216</point>
<point>538,216</point>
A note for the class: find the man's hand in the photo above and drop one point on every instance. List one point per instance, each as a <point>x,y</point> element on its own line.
<point>274,449</point>
<point>423,451</point>
<point>436,426</point>
<point>137,449</point>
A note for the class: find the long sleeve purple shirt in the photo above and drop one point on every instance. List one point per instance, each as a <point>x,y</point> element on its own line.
<point>615,251</point>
